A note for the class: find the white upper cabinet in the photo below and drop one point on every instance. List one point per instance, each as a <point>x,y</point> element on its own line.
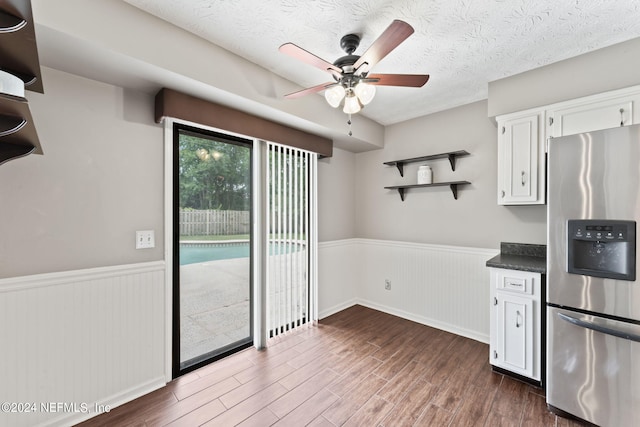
<point>603,111</point>
<point>523,138</point>
<point>521,173</point>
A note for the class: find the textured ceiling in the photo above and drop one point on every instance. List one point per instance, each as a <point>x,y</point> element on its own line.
<point>462,44</point>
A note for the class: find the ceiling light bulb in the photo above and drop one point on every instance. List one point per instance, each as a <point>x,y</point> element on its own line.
<point>351,104</point>
<point>365,92</point>
<point>334,95</point>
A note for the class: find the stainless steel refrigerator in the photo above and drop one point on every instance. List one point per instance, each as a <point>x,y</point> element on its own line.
<point>593,297</point>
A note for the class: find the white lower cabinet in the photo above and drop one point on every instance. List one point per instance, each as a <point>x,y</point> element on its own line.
<point>515,342</point>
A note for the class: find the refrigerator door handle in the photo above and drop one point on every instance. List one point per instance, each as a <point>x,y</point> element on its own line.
<point>599,328</point>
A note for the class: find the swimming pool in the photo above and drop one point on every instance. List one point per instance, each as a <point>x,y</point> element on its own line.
<point>192,253</point>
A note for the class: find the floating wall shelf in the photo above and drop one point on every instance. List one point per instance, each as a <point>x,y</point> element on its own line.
<point>18,135</point>
<point>19,57</point>
<point>450,155</point>
<point>18,43</point>
<point>453,185</point>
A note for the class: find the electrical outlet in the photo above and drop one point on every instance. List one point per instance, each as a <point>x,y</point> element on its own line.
<point>387,284</point>
<point>145,239</point>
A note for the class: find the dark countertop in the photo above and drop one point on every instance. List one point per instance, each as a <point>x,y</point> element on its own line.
<point>521,256</point>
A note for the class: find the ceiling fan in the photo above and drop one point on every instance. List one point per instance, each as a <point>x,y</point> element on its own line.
<point>352,81</point>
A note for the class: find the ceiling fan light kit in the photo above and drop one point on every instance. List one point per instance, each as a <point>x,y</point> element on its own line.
<point>354,87</point>
<point>365,92</point>
<point>334,95</point>
<point>351,103</point>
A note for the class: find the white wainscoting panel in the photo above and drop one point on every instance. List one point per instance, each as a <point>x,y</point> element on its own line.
<point>74,340</point>
<point>338,263</point>
<point>446,287</point>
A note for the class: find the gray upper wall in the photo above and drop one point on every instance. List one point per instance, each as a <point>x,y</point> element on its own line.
<point>99,181</point>
<point>602,70</point>
<point>432,215</point>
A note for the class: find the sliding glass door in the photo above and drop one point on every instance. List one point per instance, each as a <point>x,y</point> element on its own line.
<point>212,246</point>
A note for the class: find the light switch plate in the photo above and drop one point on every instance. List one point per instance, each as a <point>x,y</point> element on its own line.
<point>145,239</point>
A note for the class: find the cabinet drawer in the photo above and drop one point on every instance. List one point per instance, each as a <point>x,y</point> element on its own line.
<point>521,282</point>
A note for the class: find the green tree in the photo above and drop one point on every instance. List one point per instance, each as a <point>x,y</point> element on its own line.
<point>214,174</point>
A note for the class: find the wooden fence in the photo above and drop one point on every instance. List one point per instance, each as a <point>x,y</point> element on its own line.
<point>214,222</point>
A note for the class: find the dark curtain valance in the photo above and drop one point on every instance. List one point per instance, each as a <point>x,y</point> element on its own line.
<point>170,103</point>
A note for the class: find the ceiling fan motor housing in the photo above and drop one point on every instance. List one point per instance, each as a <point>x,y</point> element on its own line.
<point>350,43</point>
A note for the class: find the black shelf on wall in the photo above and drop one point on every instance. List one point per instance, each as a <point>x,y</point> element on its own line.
<point>453,185</point>
<point>451,155</point>
<point>18,136</point>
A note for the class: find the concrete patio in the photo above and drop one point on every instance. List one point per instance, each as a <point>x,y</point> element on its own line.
<point>214,305</point>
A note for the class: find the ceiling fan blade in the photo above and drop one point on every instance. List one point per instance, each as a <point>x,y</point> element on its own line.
<point>300,54</point>
<point>310,90</point>
<point>395,34</point>
<point>410,80</point>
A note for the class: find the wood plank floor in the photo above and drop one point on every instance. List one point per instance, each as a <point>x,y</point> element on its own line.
<point>359,367</point>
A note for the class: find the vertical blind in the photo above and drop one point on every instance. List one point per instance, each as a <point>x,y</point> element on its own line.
<point>291,239</point>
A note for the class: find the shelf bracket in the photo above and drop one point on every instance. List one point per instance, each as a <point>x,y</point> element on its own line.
<point>400,167</point>
<point>452,161</point>
<point>401,192</point>
<point>454,190</point>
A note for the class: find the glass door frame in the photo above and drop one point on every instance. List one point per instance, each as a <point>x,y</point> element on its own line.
<point>176,366</point>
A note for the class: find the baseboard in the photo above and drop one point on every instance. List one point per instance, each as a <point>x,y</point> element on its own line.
<point>337,308</point>
<point>111,403</point>
<point>425,321</point>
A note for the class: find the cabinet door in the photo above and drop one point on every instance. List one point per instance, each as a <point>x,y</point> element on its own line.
<point>514,334</point>
<point>520,169</point>
<point>591,115</point>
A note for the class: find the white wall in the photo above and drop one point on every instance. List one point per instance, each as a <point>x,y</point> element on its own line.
<point>91,338</point>
<point>431,215</point>
<point>82,312</point>
<point>336,196</point>
<point>431,247</point>
<point>99,180</point>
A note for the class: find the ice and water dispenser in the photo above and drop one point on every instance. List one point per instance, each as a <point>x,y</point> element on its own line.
<point>602,248</point>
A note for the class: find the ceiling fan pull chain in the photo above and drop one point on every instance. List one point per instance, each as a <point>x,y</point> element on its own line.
<point>349,123</point>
